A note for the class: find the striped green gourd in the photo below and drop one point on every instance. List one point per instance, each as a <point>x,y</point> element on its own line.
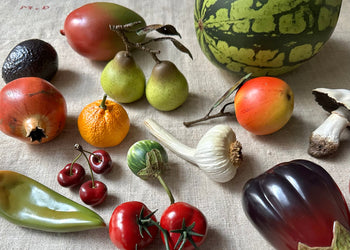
<point>263,37</point>
<point>136,158</point>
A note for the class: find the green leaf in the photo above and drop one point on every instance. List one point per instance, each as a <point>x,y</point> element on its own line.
<point>168,30</point>
<point>229,92</point>
<point>181,47</point>
<point>147,29</point>
<point>160,28</point>
<point>341,240</point>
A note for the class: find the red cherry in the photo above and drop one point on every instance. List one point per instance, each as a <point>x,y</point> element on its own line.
<point>101,161</point>
<point>69,178</point>
<point>93,194</point>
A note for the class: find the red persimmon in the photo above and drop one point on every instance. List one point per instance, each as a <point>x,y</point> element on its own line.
<point>263,105</point>
<point>186,224</point>
<point>132,226</point>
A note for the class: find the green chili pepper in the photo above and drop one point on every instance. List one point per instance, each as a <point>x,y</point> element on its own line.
<point>28,203</point>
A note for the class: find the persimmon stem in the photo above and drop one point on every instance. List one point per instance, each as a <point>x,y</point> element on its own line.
<point>221,113</point>
<point>224,97</point>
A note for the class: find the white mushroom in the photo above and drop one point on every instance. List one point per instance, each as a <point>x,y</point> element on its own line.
<point>325,139</point>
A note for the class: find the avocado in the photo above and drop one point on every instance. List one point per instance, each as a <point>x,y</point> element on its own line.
<point>32,57</point>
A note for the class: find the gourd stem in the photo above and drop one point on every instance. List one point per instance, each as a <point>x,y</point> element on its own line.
<point>182,150</point>
<point>165,186</point>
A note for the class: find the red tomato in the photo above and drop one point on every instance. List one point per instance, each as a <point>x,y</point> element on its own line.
<point>264,105</point>
<point>125,223</point>
<point>174,217</point>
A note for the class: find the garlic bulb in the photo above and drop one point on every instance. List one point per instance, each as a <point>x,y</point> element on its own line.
<point>218,153</point>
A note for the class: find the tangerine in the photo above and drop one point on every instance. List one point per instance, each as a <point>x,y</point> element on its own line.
<point>103,123</point>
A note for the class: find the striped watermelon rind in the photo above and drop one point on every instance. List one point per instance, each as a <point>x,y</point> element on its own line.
<point>266,37</point>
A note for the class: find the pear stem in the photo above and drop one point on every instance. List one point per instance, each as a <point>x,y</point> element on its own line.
<point>121,29</point>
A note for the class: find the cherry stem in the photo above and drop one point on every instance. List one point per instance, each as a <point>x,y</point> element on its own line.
<point>90,153</point>
<point>103,102</point>
<point>71,165</point>
<point>80,148</point>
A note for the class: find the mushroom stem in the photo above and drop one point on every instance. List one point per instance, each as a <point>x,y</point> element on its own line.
<point>325,139</point>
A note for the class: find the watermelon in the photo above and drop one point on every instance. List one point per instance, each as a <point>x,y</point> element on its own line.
<point>263,37</point>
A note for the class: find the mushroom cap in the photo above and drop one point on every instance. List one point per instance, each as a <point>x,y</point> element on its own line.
<point>331,99</point>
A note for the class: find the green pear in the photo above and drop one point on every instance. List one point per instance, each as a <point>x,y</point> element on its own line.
<point>167,88</point>
<point>122,79</point>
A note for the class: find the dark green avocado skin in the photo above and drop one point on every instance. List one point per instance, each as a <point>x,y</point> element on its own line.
<point>32,57</point>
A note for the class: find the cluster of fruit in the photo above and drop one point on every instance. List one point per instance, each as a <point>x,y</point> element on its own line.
<point>91,192</point>
<point>124,30</point>
<point>124,81</point>
<point>134,226</point>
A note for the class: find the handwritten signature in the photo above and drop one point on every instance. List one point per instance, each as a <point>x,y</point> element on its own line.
<point>29,7</point>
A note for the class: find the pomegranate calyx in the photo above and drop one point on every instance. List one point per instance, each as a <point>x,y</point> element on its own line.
<point>36,134</point>
<point>35,128</point>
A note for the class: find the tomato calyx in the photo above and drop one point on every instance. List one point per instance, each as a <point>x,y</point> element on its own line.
<point>144,222</point>
<point>186,234</point>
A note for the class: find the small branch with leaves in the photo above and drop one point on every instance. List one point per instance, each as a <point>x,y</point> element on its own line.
<point>222,112</point>
<point>167,29</point>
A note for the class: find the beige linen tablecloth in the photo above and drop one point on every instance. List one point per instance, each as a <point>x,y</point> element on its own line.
<point>78,80</point>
